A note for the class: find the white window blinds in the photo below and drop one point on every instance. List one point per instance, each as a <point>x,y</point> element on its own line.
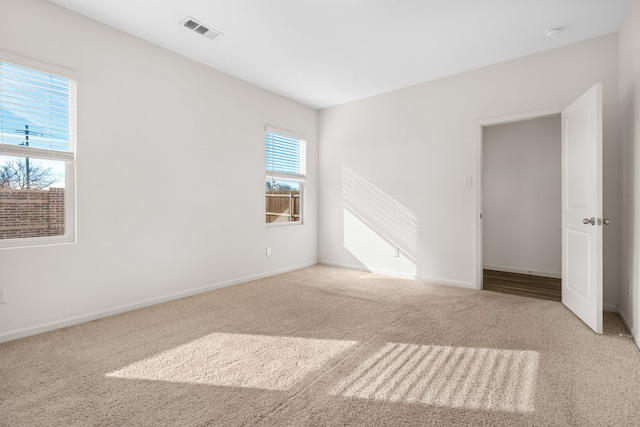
<point>285,156</point>
<point>37,113</point>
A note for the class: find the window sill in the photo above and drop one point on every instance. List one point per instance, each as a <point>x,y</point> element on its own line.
<point>283,224</point>
<point>36,242</point>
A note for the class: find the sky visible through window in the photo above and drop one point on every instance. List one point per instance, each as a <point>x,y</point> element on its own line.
<point>34,112</point>
<point>283,154</point>
<point>55,169</point>
<point>34,108</point>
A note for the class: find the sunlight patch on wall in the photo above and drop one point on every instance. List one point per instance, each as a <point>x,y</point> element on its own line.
<point>390,219</point>
<point>457,377</point>
<point>238,360</point>
<point>370,248</point>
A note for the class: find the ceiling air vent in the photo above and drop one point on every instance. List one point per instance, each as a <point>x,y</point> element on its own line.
<point>200,28</point>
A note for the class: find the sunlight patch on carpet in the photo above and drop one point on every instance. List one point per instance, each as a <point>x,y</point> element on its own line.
<point>238,360</point>
<point>457,377</point>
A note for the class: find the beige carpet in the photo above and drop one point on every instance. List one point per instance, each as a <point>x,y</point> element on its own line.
<point>327,346</point>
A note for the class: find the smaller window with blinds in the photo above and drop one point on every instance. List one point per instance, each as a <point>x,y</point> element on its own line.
<point>37,155</point>
<point>285,177</point>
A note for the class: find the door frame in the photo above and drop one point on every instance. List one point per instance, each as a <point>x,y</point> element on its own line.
<point>480,125</point>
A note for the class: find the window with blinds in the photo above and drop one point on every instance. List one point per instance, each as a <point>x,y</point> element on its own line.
<point>37,156</point>
<point>285,156</point>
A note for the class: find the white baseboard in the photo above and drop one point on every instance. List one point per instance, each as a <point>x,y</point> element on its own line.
<point>625,320</point>
<point>523,271</point>
<point>627,323</point>
<point>611,308</point>
<point>402,275</point>
<point>70,321</point>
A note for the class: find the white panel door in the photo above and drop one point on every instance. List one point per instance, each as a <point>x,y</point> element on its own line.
<point>582,207</point>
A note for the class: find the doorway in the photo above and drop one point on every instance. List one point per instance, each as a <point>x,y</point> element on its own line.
<point>521,207</point>
<point>582,210</point>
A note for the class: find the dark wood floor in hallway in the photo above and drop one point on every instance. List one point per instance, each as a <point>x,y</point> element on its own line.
<point>523,285</point>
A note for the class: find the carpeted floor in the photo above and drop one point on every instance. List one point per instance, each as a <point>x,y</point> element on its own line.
<point>327,346</point>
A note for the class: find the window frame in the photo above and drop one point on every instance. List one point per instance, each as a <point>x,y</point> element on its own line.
<point>68,157</point>
<point>301,178</point>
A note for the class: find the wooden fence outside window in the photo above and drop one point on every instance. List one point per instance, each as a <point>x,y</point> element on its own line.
<point>282,206</point>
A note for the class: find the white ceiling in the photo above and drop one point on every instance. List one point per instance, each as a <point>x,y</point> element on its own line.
<point>328,52</point>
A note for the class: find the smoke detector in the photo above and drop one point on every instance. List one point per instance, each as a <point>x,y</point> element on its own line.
<point>552,31</point>
<point>200,28</point>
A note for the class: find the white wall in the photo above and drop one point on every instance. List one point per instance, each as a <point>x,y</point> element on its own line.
<point>630,124</point>
<point>409,151</point>
<point>521,195</point>
<point>170,177</point>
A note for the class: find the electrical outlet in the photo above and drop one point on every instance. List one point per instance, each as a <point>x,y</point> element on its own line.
<point>396,253</point>
<point>268,251</point>
<point>3,295</point>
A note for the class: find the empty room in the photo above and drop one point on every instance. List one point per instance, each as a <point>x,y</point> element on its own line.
<point>310,213</point>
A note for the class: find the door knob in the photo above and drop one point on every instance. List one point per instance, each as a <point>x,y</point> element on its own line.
<point>591,221</point>
<point>606,221</point>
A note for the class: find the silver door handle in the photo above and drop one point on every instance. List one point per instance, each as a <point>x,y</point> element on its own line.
<point>606,221</point>
<point>591,221</point>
